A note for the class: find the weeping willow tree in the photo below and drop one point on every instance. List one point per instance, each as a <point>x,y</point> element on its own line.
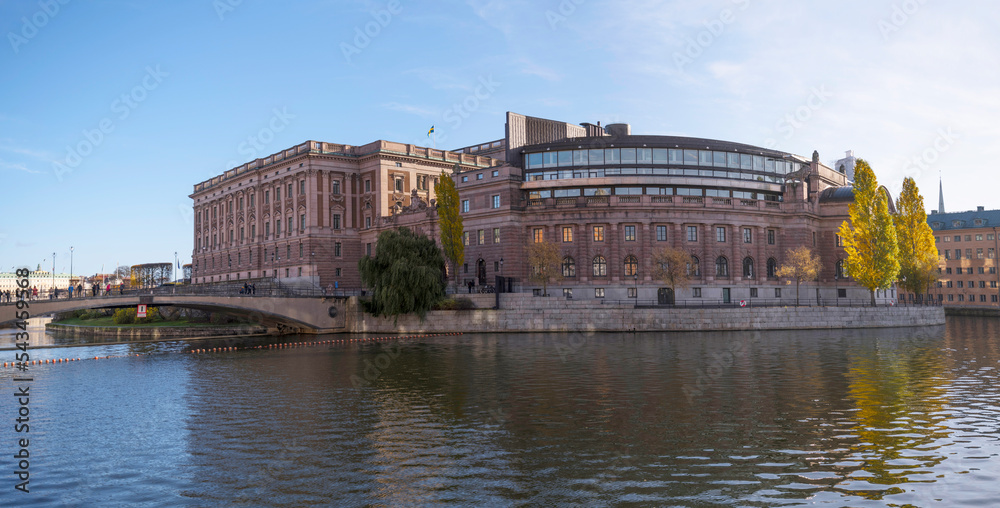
<point>406,274</point>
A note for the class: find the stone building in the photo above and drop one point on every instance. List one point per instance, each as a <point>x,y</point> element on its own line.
<point>967,252</point>
<point>607,197</point>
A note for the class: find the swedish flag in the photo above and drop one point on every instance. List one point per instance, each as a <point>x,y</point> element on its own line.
<point>430,131</point>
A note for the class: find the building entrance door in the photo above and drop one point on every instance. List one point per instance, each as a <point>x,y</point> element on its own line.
<point>725,296</point>
<point>665,296</point>
<point>481,271</point>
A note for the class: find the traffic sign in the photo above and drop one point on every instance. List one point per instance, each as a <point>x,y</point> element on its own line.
<point>743,303</point>
<point>140,311</point>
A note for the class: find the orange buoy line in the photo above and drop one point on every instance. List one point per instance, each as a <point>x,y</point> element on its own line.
<point>285,345</point>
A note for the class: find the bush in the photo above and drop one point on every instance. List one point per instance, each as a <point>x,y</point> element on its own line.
<point>455,304</point>
<point>124,316</point>
<point>89,314</point>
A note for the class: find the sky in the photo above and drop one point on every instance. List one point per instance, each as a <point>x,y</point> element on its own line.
<point>111,110</point>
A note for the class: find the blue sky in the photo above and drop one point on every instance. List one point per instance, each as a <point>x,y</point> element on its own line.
<point>110,111</point>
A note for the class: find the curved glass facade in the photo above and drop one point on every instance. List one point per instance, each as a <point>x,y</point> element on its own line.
<point>598,163</point>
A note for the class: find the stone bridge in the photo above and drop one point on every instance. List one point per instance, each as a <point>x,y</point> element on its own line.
<point>312,314</point>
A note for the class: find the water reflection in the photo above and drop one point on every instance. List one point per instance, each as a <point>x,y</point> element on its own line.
<point>843,418</point>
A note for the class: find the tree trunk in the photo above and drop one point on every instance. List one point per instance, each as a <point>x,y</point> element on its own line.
<point>796,292</point>
<point>872,291</point>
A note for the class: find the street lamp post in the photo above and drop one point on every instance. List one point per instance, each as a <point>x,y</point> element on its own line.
<point>635,277</point>
<point>53,290</point>
<point>71,264</point>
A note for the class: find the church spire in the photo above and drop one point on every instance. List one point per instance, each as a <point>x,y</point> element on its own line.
<point>940,195</point>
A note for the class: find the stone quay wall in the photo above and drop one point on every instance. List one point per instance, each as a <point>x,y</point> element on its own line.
<point>526,313</point>
<point>153,332</point>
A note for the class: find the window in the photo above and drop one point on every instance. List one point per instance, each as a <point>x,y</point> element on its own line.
<point>496,173</point>
<point>465,238</point>
<point>289,196</point>
<point>841,293</point>
<point>720,234</point>
<point>747,235</point>
<point>989,237</point>
<point>567,293</point>
<point>465,205</point>
<point>692,233</point>
<point>337,272</point>
<point>838,240</point>
<point>267,197</point>
<point>631,266</point>
<point>479,176</point>
<point>990,253</point>
<point>466,268</point>
<point>336,221</point>
<point>959,284</point>
<point>600,267</point>
<point>633,293</point>
<point>947,254</point>
<point>538,235</point>
<point>661,233</point>
<point>982,284</point>
<point>981,270</point>
<point>302,222</point>
<point>968,253</point>
<point>961,298</point>
<point>277,227</point>
<point>465,179</point>
<point>267,229</point>
<point>482,236</point>
<point>721,266</point>
<point>567,234</point>
<point>958,238</point>
<point>336,187</point>
<point>951,298</point>
<point>696,292</point>
<point>770,237</point>
<point>772,268</point>
<point>979,238</point>
<point>748,268</point>
<point>629,233</point>
<point>368,185</point>
<point>968,238</point>
<point>368,249</point>
<point>947,238</point>
<point>496,235</point>
<point>336,249</point>
<point>302,190</point>
<point>277,193</point>
<point>599,293</point>
<point>568,267</point>
<point>948,284</point>
<point>840,270</point>
<point>777,292</point>
<point>241,233</point>
<point>598,233</point>
<point>496,201</point>
<point>694,267</point>
<point>958,253</point>
<point>368,222</point>
<point>241,205</point>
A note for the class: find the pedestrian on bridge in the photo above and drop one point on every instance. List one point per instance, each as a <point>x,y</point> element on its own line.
<point>70,289</point>
<point>107,291</point>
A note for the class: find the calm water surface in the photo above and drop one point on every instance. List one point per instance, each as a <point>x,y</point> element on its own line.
<point>904,417</point>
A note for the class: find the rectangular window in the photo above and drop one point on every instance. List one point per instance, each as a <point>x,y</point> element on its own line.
<point>968,253</point>
<point>482,236</point>
<point>959,283</point>
<point>336,221</point>
<point>696,292</point>
<point>979,253</point>
<point>336,187</point>
<point>496,173</point>
<point>267,197</point>
<point>982,284</point>
<point>979,238</point>
<point>598,292</point>
<point>466,267</point>
<point>496,235</point>
<point>968,238</point>
<point>302,222</point>
<point>241,203</point>
<point>241,234</point>
<point>277,193</point>
<point>841,293</point>
<point>990,253</point>
<point>948,283</point>
<point>720,234</point>
<point>479,176</point>
<point>496,266</point>
<point>961,298</point>
<point>777,292</point>
<point>633,292</point>
<point>692,233</point>
<point>951,298</point>
<point>368,249</point>
<point>465,205</point>
<point>981,270</point>
<point>629,233</point>
<point>537,235</point>
<point>302,186</point>
<point>289,190</point>
<point>598,233</point>
<point>251,200</point>
<point>958,238</point>
<point>267,230</point>
<point>567,234</point>
<point>753,292</point>
<point>947,254</point>
<point>770,237</point>
<point>958,253</point>
<point>277,227</point>
<point>661,233</point>
<point>368,185</point>
<point>567,293</point>
<point>465,238</point>
<point>300,250</point>
<point>336,249</point>
<point>989,237</point>
<point>747,235</point>
<point>982,298</point>
<point>368,222</point>
<point>496,201</point>
<point>337,272</point>
<point>465,179</point>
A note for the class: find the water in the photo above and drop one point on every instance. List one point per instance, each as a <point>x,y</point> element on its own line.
<point>903,417</point>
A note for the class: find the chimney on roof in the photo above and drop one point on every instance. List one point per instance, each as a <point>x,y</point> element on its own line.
<point>980,208</point>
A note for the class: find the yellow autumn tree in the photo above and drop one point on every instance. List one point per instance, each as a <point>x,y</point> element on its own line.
<point>800,264</point>
<point>672,267</point>
<point>918,255</point>
<point>450,222</point>
<point>544,262</point>
<point>869,236</point>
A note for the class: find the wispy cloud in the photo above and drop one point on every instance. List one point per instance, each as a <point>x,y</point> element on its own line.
<point>410,109</point>
<point>18,167</point>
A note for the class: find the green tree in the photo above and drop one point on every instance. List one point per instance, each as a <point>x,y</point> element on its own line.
<point>918,255</point>
<point>406,274</point>
<point>870,237</point>
<point>544,264</point>
<point>672,267</point>
<point>800,264</point>
<point>450,222</point>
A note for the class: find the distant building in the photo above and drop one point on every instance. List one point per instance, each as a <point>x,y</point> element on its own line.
<point>608,198</point>
<point>967,257</point>
<point>41,279</point>
<point>846,165</point>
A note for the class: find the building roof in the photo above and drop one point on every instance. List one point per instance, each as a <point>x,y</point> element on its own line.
<point>964,220</point>
<point>837,194</point>
<point>652,141</point>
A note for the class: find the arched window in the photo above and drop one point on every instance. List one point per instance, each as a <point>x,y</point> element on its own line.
<point>841,269</point>
<point>772,268</point>
<point>694,267</point>
<point>568,267</point>
<point>600,267</point>
<point>721,266</point>
<point>631,266</point>
<point>748,268</point>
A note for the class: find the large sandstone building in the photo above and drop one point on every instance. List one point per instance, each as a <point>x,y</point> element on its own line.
<point>306,215</point>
